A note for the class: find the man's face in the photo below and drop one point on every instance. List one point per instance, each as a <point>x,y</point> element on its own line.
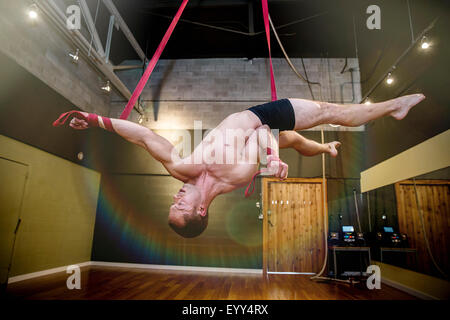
<point>185,202</point>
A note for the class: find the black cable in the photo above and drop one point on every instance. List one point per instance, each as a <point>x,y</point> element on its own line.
<point>307,79</point>
<point>374,68</point>
<point>345,65</point>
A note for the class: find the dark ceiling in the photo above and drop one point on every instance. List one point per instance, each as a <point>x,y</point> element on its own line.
<point>319,27</point>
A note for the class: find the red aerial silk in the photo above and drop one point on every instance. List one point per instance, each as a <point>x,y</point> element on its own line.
<point>137,92</point>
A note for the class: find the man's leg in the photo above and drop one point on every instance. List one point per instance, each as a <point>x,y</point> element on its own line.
<point>306,147</point>
<point>309,113</point>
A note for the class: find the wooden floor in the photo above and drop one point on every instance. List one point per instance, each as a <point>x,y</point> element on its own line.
<point>122,283</point>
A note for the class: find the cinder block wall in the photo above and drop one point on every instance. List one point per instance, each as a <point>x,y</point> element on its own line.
<point>181,91</point>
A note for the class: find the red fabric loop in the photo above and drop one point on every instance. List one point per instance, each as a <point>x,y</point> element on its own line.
<point>273,88</point>
<point>249,192</point>
<point>91,119</point>
<point>65,116</point>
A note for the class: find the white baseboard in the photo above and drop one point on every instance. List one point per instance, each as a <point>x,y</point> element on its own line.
<point>131,265</point>
<point>44,272</point>
<point>177,268</point>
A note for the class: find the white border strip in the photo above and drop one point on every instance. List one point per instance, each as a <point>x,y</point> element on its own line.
<point>44,272</point>
<point>177,268</point>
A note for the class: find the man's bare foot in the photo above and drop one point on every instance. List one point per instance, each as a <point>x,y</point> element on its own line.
<point>404,104</point>
<point>332,146</point>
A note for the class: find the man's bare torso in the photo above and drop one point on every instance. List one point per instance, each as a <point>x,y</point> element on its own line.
<point>229,152</point>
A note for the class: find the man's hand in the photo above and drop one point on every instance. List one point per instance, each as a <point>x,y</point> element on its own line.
<point>276,167</point>
<point>79,124</point>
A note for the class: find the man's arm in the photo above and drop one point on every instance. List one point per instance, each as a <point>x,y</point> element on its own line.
<point>268,142</point>
<point>158,147</point>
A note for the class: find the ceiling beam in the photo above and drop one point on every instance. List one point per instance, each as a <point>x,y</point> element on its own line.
<point>124,27</point>
<point>91,26</point>
<point>54,13</point>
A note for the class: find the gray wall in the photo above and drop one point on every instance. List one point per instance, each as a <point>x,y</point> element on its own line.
<point>42,51</point>
<point>181,91</point>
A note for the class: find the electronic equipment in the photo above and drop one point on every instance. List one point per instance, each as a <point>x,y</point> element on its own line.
<point>334,239</point>
<point>389,237</point>
<point>348,235</point>
<point>360,239</point>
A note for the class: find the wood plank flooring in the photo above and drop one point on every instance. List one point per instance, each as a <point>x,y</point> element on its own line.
<point>110,283</point>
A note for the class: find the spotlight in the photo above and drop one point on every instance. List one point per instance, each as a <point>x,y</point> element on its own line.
<point>33,12</point>
<point>75,57</point>
<point>107,87</point>
<point>367,102</point>
<point>141,119</point>
<point>389,79</point>
<point>424,44</point>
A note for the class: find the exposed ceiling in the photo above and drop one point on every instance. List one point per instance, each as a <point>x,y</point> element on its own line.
<point>318,28</point>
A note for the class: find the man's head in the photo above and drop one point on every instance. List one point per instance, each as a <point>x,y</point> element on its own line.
<point>187,216</point>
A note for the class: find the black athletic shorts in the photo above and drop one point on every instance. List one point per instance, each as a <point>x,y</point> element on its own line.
<point>277,114</point>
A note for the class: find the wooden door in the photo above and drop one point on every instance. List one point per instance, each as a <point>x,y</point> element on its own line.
<point>434,201</point>
<point>293,225</point>
<point>12,184</point>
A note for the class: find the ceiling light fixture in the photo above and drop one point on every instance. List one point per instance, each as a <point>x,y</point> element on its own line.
<point>424,44</point>
<point>75,57</point>
<point>389,79</point>
<point>107,87</point>
<point>33,12</point>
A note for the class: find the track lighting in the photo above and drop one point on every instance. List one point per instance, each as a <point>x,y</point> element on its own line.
<point>75,57</point>
<point>424,44</point>
<point>107,87</point>
<point>367,102</point>
<point>141,119</point>
<point>33,12</point>
<point>389,79</point>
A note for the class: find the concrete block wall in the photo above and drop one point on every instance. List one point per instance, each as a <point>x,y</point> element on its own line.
<point>41,50</point>
<point>181,91</point>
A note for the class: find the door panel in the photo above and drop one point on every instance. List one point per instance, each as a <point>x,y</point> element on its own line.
<point>12,184</point>
<point>434,201</point>
<point>294,240</point>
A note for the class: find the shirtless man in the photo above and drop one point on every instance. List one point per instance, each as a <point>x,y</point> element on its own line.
<point>203,180</point>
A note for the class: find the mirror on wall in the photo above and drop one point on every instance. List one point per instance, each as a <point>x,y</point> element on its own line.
<point>409,223</point>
